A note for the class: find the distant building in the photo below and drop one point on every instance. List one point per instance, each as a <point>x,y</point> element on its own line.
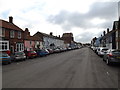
<point>50,41</point>
<point>68,39</point>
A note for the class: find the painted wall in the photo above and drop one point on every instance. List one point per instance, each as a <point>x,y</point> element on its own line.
<point>29,45</point>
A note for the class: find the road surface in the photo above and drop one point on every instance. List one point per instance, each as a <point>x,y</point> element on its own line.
<point>80,68</point>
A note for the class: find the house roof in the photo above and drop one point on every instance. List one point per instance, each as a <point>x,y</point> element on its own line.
<point>8,25</point>
<point>108,34</point>
<point>47,35</point>
<point>35,38</point>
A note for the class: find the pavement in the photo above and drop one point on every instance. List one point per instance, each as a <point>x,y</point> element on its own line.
<point>80,68</point>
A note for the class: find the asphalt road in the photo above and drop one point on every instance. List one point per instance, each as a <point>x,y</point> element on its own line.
<point>80,68</point>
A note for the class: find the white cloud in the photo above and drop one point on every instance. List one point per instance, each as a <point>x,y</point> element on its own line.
<point>97,21</point>
<point>33,14</point>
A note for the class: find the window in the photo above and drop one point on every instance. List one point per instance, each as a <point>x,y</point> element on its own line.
<point>2,32</point>
<point>12,34</point>
<point>116,25</point>
<point>116,33</point>
<point>4,45</point>
<point>19,47</point>
<point>19,35</point>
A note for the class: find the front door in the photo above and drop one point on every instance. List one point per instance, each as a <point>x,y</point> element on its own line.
<point>12,49</point>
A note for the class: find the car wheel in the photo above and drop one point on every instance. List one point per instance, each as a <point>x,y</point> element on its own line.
<point>10,62</point>
<point>6,63</point>
<point>27,57</point>
<point>107,61</point>
<point>15,60</point>
<point>103,59</point>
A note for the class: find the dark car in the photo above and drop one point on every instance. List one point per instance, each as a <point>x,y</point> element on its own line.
<point>112,56</point>
<point>31,54</point>
<point>5,58</point>
<point>19,56</point>
<point>42,52</point>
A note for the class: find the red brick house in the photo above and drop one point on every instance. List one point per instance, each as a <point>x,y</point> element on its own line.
<point>12,37</point>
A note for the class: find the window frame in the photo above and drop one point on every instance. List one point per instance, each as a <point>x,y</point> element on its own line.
<point>19,47</point>
<point>12,34</point>
<point>2,32</point>
<point>19,35</point>
<point>4,44</point>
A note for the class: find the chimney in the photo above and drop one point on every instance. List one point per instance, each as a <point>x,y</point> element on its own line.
<point>27,33</point>
<point>26,29</point>
<point>59,36</point>
<point>10,19</point>
<point>107,30</point>
<point>51,33</point>
<point>104,33</point>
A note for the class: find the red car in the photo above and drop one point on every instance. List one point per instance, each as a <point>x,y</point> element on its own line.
<point>31,54</point>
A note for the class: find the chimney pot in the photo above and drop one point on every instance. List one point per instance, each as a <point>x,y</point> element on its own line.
<point>10,19</point>
<point>107,30</point>
<point>51,33</point>
<point>26,29</point>
<point>104,33</point>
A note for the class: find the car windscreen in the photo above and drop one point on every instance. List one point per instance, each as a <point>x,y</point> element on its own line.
<point>104,49</point>
<point>116,52</point>
<point>4,55</point>
<point>19,53</point>
<point>32,52</point>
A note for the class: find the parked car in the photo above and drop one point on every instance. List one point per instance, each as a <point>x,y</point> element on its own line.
<point>62,49</point>
<point>31,54</point>
<point>47,51</point>
<point>112,56</point>
<point>69,48</point>
<point>19,56</point>
<point>5,58</point>
<point>42,52</point>
<point>56,50</point>
<point>65,49</point>
<point>50,51</point>
<point>96,49</point>
<point>101,51</point>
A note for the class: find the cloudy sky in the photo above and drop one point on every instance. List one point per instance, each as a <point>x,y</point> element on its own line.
<point>84,18</point>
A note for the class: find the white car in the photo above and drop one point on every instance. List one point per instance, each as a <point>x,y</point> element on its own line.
<point>101,51</point>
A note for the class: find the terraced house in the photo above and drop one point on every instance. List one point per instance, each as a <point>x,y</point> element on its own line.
<point>32,42</point>
<point>12,37</point>
<point>50,41</point>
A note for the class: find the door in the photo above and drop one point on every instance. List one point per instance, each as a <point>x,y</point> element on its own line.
<point>12,49</point>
